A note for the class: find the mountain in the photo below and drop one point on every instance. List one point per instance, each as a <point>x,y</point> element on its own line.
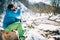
<point>41,8</point>
<point>38,7</point>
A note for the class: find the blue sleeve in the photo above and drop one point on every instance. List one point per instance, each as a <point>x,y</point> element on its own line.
<point>13,14</point>
<point>18,12</point>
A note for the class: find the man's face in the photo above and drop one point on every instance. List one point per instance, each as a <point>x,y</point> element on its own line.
<point>13,9</point>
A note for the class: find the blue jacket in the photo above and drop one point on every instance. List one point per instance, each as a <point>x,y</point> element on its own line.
<point>10,17</point>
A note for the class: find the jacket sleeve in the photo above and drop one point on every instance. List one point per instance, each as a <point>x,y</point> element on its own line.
<point>18,12</point>
<point>13,14</point>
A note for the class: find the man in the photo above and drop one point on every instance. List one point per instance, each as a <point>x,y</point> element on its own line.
<point>10,19</point>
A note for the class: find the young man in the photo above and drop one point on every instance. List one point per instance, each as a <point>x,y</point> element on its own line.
<point>10,19</point>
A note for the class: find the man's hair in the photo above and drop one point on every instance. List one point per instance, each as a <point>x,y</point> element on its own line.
<point>10,6</point>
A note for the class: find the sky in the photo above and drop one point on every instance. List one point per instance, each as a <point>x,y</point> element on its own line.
<point>37,1</point>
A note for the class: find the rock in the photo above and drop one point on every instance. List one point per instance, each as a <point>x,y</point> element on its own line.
<point>8,35</point>
<point>51,39</point>
<point>35,34</point>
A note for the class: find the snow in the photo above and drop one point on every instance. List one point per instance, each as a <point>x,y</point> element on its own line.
<point>53,18</point>
<point>36,25</point>
<point>37,1</point>
<point>47,27</point>
<point>34,34</point>
<point>33,23</point>
<point>1,19</point>
<point>51,39</point>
